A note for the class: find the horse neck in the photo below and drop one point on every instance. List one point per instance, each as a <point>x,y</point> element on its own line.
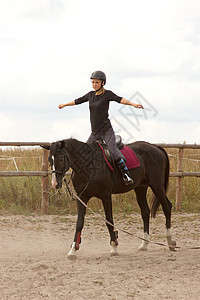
<point>80,156</point>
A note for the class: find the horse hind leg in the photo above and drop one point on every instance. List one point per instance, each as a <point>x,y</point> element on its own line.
<point>171,243</point>
<point>166,206</point>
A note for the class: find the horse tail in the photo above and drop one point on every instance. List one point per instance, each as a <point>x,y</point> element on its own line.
<point>155,202</point>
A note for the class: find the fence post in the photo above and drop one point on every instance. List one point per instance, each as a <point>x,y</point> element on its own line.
<point>179,180</point>
<point>45,183</point>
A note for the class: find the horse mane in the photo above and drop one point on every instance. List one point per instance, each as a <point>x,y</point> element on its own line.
<point>80,155</point>
<point>73,145</point>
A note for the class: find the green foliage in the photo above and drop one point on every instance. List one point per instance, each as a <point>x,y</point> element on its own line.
<point>20,194</point>
<point>23,195</point>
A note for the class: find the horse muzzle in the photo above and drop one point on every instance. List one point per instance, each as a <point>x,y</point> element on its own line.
<point>54,182</point>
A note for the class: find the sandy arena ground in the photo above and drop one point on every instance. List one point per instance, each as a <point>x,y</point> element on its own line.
<point>34,264</point>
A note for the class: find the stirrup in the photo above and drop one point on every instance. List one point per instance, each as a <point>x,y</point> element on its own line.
<point>128,180</point>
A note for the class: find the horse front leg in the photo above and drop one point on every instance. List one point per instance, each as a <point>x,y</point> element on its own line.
<point>107,204</point>
<point>79,226</point>
<point>145,212</point>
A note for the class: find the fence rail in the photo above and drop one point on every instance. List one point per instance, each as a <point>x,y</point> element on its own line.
<point>23,173</point>
<point>24,144</point>
<point>44,174</point>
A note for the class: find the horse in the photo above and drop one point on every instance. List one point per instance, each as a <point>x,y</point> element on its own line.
<point>91,177</point>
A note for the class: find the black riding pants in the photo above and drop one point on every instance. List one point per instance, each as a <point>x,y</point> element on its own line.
<point>109,138</point>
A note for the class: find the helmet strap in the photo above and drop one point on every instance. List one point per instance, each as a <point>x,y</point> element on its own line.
<point>100,86</point>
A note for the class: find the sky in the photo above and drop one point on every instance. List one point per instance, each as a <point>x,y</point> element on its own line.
<point>149,50</point>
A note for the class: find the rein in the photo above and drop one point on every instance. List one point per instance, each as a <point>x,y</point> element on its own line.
<point>72,193</point>
<point>58,172</point>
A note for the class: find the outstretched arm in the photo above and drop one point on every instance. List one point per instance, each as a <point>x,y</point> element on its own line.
<point>67,104</point>
<point>127,102</point>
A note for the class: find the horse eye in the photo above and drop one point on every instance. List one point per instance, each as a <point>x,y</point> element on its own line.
<point>61,158</point>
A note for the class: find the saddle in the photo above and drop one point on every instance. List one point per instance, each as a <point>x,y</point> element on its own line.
<point>108,155</point>
<point>124,151</point>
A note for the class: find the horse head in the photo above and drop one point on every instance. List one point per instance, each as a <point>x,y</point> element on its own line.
<point>59,163</point>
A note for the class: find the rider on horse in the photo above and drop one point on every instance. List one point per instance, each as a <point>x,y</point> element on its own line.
<point>101,127</point>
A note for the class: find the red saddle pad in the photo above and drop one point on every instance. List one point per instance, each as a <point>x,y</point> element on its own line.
<point>131,158</point>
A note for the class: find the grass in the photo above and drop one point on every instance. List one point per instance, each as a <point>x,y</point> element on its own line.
<point>22,195</point>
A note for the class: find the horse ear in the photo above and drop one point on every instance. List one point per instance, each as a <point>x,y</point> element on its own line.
<point>61,144</point>
<point>45,147</point>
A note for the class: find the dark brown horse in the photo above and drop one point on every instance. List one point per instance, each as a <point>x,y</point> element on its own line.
<point>92,178</point>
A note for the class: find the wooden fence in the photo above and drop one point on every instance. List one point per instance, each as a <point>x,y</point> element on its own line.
<point>180,174</point>
<point>44,173</point>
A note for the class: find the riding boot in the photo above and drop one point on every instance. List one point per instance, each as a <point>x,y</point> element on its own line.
<point>120,163</point>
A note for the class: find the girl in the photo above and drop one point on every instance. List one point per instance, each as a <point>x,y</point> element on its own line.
<point>101,127</point>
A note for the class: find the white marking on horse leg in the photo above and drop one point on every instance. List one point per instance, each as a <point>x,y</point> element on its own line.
<point>53,179</point>
<point>114,251</point>
<point>145,243</point>
<point>171,243</point>
<point>72,253</point>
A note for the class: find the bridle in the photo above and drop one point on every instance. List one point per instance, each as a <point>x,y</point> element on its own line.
<point>65,157</point>
<point>62,153</point>
<point>59,172</point>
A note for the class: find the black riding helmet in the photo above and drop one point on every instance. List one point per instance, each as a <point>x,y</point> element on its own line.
<point>99,75</point>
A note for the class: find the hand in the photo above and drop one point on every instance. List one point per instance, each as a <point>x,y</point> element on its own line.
<point>139,106</point>
<point>61,106</point>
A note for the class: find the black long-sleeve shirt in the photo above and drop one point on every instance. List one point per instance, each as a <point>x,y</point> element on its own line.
<point>99,106</point>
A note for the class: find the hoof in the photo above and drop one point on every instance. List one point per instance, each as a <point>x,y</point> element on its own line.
<point>172,246</point>
<point>72,253</point>
<point>113,249</point>
<point>142,248</point>
<point>145,242</point>
<point>114,253</point>
<point>71,257</point>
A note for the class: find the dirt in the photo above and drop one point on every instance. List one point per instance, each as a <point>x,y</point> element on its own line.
<point>34,264</point>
